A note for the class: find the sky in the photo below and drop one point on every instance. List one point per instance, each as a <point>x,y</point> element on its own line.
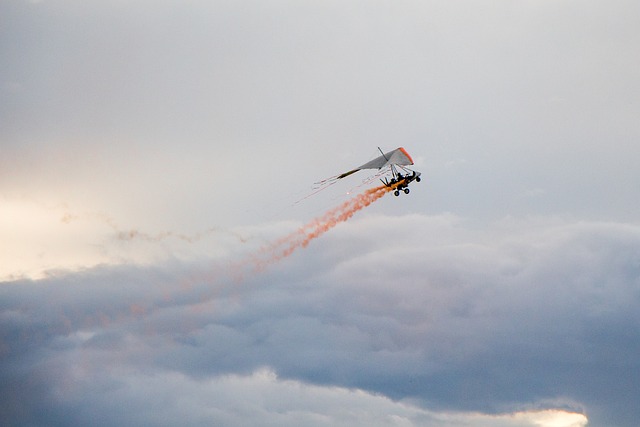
<point>155,157</point>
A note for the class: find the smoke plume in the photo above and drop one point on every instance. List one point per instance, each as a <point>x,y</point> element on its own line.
<point>302,236</point>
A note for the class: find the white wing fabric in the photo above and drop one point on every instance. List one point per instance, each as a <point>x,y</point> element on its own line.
<point>399,156</point>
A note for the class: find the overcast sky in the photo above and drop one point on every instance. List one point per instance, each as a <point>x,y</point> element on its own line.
<point>148,150</point>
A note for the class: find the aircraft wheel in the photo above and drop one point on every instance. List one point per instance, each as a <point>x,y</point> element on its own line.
<point>418,179</point>
<point>406,191</point>
<point>396,193</point>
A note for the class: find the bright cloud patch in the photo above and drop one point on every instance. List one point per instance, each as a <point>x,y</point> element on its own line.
<point>53,238</point>
<point>261,398</point>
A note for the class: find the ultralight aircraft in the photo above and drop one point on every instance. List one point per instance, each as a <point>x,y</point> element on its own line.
<point>396,161</point>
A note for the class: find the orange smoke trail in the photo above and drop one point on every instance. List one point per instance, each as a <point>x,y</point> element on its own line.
<point>301,237</point>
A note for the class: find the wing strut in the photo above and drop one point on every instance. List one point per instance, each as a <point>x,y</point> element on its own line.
<point>382,152</point>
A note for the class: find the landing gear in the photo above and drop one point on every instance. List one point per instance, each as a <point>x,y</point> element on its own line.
<point>399,183</point>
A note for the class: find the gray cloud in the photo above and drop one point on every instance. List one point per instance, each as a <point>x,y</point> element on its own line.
<point>414,307</point>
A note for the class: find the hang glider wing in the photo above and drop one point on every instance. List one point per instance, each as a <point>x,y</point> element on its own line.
<point>399,157</point>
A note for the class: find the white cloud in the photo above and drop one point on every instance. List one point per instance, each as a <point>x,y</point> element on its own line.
<point>261,398</point>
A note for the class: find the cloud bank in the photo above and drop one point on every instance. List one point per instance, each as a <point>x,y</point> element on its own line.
<point>410,320</point>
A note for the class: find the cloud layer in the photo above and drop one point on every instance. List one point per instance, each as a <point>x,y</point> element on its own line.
<point>532,316</point>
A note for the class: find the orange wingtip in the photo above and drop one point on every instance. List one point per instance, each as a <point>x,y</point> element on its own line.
<point>406,154</point>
